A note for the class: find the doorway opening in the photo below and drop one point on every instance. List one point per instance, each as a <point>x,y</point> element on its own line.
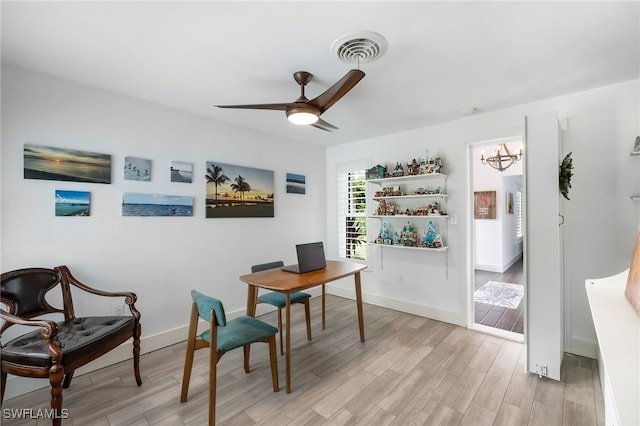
<point>496,238</point>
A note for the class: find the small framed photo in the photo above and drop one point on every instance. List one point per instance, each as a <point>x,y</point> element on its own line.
<point>72,203</point>
<point>137,169</point>
<point>181,172</point>
<point>636,147</point>
<point>509,202</point>
<point>296,184</point>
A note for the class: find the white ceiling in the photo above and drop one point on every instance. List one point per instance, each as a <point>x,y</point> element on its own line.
<point>442,56</point>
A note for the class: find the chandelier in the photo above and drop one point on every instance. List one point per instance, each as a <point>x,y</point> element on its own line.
<point>502,158</point>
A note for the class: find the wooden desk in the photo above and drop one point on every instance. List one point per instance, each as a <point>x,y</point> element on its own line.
<point>287,283</point>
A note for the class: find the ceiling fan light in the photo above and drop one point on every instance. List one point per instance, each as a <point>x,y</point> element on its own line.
<point>302,115</point>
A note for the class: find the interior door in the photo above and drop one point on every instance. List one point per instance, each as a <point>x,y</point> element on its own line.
<point>545,305</point>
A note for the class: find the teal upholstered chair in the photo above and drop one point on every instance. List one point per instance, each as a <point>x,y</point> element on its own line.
<point>279,301</point>
<point>221,337</point>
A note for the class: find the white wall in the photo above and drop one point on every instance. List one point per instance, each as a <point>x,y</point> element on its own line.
<point>600,218</point>
<point>159,258</point>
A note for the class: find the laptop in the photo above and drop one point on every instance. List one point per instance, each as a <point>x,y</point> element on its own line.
<point>310,258</point>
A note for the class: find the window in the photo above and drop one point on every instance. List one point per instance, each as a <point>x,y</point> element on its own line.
<point>352,219</point>
<point>518,208</point>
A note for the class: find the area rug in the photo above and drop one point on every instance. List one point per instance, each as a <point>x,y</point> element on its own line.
<point>499,294</point>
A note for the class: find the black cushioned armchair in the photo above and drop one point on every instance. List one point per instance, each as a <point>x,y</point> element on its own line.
<point>54,350</point>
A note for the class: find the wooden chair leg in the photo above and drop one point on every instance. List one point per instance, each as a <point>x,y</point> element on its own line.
<point>4,385</point>
<point>188,357</point>
<point>56,376</point>
<point>213,375</point>
<point>280,332</point>
<point>247,351</point>
<point>67,379</point>
<point>307,314</point>
<point>273,358</point>
<point>136,354</point>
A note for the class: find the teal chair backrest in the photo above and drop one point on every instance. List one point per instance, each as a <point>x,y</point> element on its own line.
<point>265,266</point>
<point>206,304</point>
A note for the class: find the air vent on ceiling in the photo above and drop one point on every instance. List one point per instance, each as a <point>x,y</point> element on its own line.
<point>358,48</point>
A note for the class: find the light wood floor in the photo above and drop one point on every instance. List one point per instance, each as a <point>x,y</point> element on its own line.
<point>410,371</point>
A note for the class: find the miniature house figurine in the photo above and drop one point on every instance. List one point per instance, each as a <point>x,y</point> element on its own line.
<point>413,168</point>
<point>408,236</point>
<point>398,171</point>
<point>376,172</point>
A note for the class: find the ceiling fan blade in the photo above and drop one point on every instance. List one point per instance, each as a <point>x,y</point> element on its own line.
<point>334,93</point>
<point>277,107</point>
<point>321,124</point>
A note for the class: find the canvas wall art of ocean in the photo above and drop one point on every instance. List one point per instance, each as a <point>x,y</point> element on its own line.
<point>296,184</point>
<point>156,205</point>
<point>44,162</point>
<point>72,203</point>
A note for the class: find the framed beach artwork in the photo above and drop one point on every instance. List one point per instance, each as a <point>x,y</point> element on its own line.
<point>296,184</point>
<point>72,203</point>
<point>237,191</point>
<point>181,172</point>
<point>484,205</point>
<point>49,163</point>
<point>137,169</point>
<point>509,202</point>
<point>156,205</point>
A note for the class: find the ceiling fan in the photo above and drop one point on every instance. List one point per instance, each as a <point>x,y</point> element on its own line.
<point>305,111</point>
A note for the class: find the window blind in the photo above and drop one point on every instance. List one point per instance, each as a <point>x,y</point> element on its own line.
<point>352,209</point>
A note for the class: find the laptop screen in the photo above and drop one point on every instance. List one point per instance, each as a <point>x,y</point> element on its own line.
<point>310,256</point>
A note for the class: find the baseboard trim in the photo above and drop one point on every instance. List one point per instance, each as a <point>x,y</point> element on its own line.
<point>586,348</point>
<point>450,317</point>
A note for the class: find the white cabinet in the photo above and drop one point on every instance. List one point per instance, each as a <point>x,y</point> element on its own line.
<point>618,330</point>
<point>408,212</point>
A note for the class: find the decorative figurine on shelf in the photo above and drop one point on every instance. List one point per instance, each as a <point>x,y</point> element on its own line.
<point>408,237</point>
<point>385,235</point>
<point>431,237</point>
<point>432,209</point>
<point>382,208</point>
<point>376,172</point>
<point>393,210</point>
<point>396,239</point>
<point>413,168</point>
<point>398,171</point>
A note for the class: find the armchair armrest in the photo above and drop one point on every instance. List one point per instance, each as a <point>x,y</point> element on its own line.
<point>49,328</point>
<point>48,332</point>
<point>129,297</point>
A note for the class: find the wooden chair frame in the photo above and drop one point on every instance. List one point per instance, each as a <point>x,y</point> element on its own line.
<point>59,371</point>
<point>195,342</point>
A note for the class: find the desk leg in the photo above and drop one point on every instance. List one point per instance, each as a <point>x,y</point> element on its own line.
<point>252,299</point>
<point>323,307</point>
<point>356,277</point>
<point>288,342</point>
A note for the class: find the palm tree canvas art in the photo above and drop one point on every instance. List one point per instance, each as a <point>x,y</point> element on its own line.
<point>237,191</point>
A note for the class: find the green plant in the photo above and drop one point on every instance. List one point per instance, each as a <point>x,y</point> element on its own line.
<point>566,172</point>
